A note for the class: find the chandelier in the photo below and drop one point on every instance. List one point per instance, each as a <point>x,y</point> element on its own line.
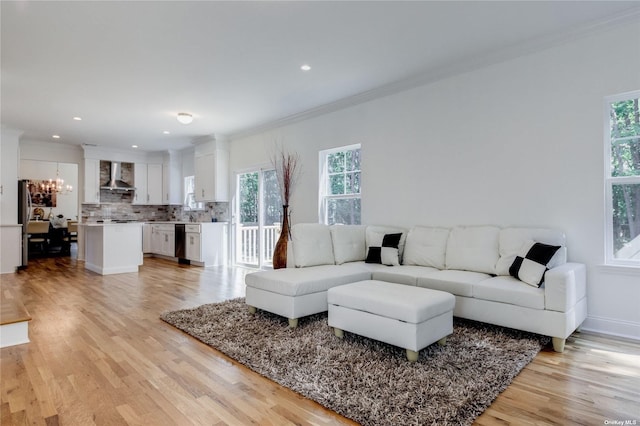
<point>56,185</point>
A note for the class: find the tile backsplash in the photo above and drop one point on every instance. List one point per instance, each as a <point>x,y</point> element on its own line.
<point>158,213</point>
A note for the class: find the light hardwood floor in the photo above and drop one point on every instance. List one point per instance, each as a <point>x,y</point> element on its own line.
<point>100,355</point>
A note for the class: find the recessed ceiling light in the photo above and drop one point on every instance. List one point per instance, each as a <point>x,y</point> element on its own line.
<point>134,146</point>
<point>166,132</point>
<point>56,136</point>
<point>184,117</point>
<point>77,118</point>
<point>305,67</point>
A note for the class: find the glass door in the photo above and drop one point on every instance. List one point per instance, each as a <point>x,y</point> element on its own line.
<point>259,217</point>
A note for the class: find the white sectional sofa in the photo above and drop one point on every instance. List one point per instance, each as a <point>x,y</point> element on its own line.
<point>471,262</point>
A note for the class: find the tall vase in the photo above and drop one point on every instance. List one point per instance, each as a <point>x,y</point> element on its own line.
<point>280,250</point>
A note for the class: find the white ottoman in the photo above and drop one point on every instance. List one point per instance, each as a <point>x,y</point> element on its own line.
<point>401,315</point>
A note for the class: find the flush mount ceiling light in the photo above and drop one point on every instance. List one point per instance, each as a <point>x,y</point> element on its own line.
<point>77,118</point>
<point>305,67</point>
<point>185,118</point>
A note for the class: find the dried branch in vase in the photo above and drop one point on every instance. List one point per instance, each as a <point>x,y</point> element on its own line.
<point>287,166</point>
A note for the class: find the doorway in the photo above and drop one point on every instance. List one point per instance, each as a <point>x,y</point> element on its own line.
<point>259,217</point>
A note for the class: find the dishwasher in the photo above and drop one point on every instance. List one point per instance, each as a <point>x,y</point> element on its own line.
<point>181,243</point>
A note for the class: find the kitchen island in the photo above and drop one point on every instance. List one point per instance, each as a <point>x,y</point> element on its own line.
<point>113,248</point>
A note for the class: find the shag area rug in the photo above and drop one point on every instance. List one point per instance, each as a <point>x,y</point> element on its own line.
<point>362,379</point>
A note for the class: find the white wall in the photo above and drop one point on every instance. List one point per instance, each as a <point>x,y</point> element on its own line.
<point>9,154</point>
<point>515,143</point>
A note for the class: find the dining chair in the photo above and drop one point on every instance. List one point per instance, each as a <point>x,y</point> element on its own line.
<point>38,234</point>
<point>72,231</point>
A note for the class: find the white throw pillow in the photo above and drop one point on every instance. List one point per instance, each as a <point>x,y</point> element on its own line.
<point>513,238</point>
<point>473,248</point>
<point>348,243</point>
<point>426,246</point>
<point>375,234</point>
<point>532,262</point>
<point>312,244</point>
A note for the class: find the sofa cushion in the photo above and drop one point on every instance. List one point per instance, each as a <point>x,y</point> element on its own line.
<point>375,234</point>
<point>312,244</point>
<point>510,290</point>
<point>473,248</point>
<point>531,264</point>
<point>387,252</point>
<point>426,246</point>
<point>512,239</point>
<point>403,274</point>
<point>459,283</point>
<point>348,243</point>
<point>300,281</point>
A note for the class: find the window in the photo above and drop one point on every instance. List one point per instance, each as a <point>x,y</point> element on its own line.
<point>190,202</point>
<point>340,186</point>
<point>622,179</point>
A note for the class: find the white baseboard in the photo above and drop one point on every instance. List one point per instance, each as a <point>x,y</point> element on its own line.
<point>614,327</point>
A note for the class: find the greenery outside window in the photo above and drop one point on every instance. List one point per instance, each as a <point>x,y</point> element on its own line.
<point>622,179</point>
<point>190,202</point>
<point>340,186</point>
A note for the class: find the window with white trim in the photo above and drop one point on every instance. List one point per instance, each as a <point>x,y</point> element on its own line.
<point>190,202</point>
<point>340,186</point>
<point>622,179</point>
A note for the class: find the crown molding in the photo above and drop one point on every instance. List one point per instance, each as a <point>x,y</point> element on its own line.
<point>440,73</point>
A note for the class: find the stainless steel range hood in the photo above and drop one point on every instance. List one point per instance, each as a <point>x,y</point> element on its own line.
<point>115,182</point>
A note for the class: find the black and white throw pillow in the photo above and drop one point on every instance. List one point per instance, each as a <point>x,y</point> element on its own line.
<point>387,253</point>
<point>531,263</point>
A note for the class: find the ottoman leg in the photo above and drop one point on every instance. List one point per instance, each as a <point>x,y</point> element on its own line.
<point>293,322</point>
<point>338,332</point>
<point>443,341</point>
<point>412,356</point>
<point>252,310</point>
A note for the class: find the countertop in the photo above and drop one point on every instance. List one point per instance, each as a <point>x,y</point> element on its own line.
<point>148,223</point>
<point>110,223</point>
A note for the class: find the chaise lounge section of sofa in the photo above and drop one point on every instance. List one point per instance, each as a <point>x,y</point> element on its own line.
<point>486,268</point>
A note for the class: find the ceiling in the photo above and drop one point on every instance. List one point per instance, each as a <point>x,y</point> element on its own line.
<point>127,68</point>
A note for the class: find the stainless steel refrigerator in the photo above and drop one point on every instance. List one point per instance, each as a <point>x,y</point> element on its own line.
<point>24,215</point>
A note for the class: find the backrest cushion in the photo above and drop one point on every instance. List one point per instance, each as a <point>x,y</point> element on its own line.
<point>473,248</point>
<point>426,246</point>
<point>312,244</point>
<point>513,238</point>
<point>348,243</point>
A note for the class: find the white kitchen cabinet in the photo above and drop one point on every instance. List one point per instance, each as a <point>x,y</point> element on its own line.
<point>172,178</point>
<point>140,182</point>
<point>146,238</point>
<point>148,183</point>
<point>154,184</point>
<point>212,171</point>
<point>206,243</point>
<point>163,239</point>
<point>91,180</point>
<point>193,244</point>
<point>205,178</point>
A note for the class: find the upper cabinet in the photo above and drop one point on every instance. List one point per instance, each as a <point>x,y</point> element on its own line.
<point>91,180</point>
<point>212,171</point>
<point>148,183</point>
<point>154,184</point>
<point>172,178</point>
